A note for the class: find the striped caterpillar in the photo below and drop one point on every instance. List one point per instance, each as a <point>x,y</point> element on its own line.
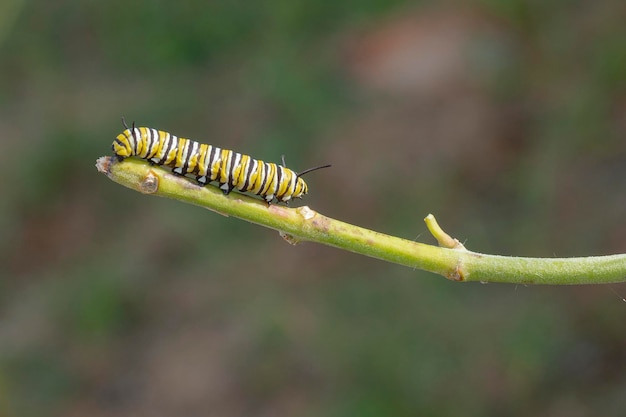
<point>208,163</point>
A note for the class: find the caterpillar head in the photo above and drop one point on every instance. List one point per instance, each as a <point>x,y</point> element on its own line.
<point>295,188</point>
<point>300,189</point>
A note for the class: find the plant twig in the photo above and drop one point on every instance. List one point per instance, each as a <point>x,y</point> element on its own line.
<point>444,239</point>
<point>451,259</point>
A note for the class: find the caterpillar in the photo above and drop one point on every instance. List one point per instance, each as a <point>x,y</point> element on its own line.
<point>208,163</point>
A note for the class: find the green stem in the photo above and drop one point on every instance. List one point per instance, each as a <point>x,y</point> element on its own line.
<point>451,260</point>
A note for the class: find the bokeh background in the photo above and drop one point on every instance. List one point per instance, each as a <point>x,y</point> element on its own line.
<point>506,119</point>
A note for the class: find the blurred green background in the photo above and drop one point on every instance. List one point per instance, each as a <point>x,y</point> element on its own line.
<point>506,119</point>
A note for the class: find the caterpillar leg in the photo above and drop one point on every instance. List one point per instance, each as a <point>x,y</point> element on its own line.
<point>177,173</point>
<point>201,180</point>
<point>226,188</point>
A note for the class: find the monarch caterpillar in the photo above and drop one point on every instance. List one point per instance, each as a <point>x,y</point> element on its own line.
<point>208,163</point>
